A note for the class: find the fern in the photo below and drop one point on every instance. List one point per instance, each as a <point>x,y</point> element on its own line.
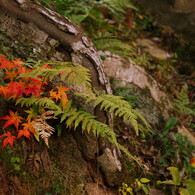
<point>117,6</point>
<point>113,45</point>
<point>182,103</point>
<point>41,102</point>
<point>72,118</point>
<point>41,126</point>
<point>75,74</point>
<point>119,107</point>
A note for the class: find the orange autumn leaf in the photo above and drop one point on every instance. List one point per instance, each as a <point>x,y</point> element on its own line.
<point>64,97</point>
<point>9,140</point>
<point>15,89</point>
<point>29,126</point>
<point>54,95</point>
<point>11,75</point>
<point>22,70</point>
<point>192,162</point>
<point>46,66</point>
<point>24,133</point>
<point>12,119</point>
<point>4,91</point>
<point>18,62</point>
<point>60,94</point>
<point>6,64</point>
<point>62,89</point>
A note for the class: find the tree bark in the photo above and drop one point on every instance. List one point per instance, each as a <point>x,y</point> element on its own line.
<point>29,30</point>
<point>70,37</point>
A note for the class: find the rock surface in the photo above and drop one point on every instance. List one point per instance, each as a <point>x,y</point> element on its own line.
<point>110,166</point>
<point>153,49</point>
<point>187,133</point>
<point>152,102</point>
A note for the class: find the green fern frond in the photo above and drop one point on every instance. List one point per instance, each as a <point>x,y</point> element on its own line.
<point>119,6</point>
<point>113,45</point>
<point>75,74</point>
<point>72,118</point>
<point>119,107</point>
<point>143,120</point>
<point>41,102</point>
<point>182,103</point>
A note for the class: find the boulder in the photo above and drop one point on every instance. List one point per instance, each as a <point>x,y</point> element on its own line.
<point>152,102</point>
<point>149,46</point>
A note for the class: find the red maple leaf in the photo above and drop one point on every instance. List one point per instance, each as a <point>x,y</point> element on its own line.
<point>11,75</point>
<point>6,64</point>
<point>12,119</point>
<point>18,62</point>
<point>34,87</point>
<point>4,91</point>
<point>2,58</point>
<point>16,89</point>
<point>28,127</point>
<point>24,133</point>
<point>33,90</point>
<point>9,140</point>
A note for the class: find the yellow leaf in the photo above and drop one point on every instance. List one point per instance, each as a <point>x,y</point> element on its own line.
<point>144,180</point>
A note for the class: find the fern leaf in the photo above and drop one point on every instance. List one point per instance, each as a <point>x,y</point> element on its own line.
<point>74,73</point>
<point>72,118</point>
<point>43,129</point>
<point>64,116</point>
<point>138,114</point>
<point>119,6</point>
<point>182,103</point>
<point>42,102</point>
<point>128,154</point>
<point>68,106</point>
<point>119,107</point>
<point>85,122</point>
<point>80,118</point>
<point>113,45</point>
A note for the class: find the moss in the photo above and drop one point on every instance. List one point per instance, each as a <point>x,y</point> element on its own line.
<point>13,159</point>
<point>12,48</point>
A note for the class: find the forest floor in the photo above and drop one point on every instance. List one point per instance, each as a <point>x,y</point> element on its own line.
<point>171,63</point>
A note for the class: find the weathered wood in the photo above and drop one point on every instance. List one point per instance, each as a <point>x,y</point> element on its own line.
<point>60,28</point>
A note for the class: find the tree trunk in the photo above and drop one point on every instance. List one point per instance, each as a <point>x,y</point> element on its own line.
<point>29,30</point>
